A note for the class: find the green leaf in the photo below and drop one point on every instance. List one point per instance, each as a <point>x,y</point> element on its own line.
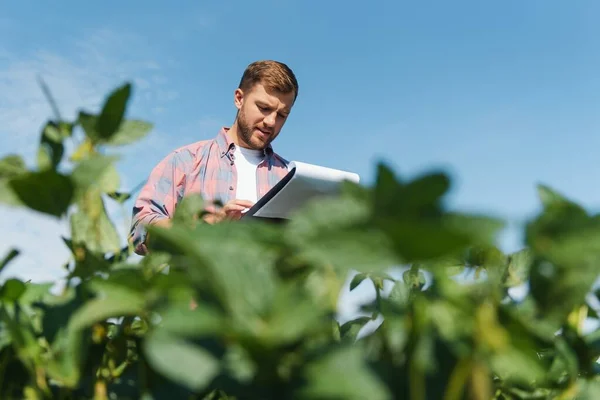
<point>87,263</point>
<point>426,190</point>
<point>326,215</point>
<point>519,265</point>
<point>58,311</point>
<point>113,112</point>
<point>47,191</point>
<point>399,295</point>
<point>396,333</point>
<point>524,320</point>
<point>481,256</point>
<point>237,363</point>
<point>517,367</point>
<point>180,361</point>
<point>420,240</point>
<point>98,171</point>
<point>191,323</point>
<point>188,210</point>
<point>132,279</point>
<point>12,254</point>
<point>335,231</point>
<point>588,389</point>
<point>22,336</point>
<point>69,345</point>
<point>36,292</point>
<point>387,188</point>
<point>357,280</point>
<point>480,230</point>
<point>292,317</point>
<point>120,197</point>
<point>488,258</point>
<point>557,222</point>
<point>129,132</point>
<point>51,148</point>
<point>575,247</point>
<point>68,354</point>
<point>92,227</point>
<point>88,123</point>
<point>567,360</point>
<point>342,374</point>
<point>452,322</point>
<point>110,181</point>
<point>350,250</point>
<point>423,357</point>
<point>413,217</point>
<point>550,197</point>
<point>230,260</point>
<point>112,301</point>
<point>419,198</point>
<point>377,282</point>
<point>11,290</point>
<point>558,290</point>
<point>564,239</point>
<point>414,279</point>
<point>7,194</point>
<point>350,329</point>
<point>10,167</point>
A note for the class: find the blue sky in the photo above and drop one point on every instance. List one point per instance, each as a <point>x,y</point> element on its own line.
<point>502,95</point>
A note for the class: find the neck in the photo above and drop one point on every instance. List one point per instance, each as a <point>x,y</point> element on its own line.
<point>234,135</point>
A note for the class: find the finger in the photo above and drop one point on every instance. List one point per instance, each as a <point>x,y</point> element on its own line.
<point>210,219</point>
<point>234,216</point>
<point>244,203</point>
<point>233,208</point>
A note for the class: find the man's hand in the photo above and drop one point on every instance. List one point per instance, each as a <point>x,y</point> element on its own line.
<point>230,211</point>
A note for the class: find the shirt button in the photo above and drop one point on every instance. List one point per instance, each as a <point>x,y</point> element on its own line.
<point>230,187</point>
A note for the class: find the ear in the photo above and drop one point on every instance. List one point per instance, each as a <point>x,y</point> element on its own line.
<point>238,98</point>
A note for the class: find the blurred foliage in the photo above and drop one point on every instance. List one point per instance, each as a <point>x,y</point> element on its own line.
<point>265,324</point>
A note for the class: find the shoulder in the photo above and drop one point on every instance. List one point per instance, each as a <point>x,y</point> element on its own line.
<point>279,161</point>
<point>186,155</point>
<point>192,151</point>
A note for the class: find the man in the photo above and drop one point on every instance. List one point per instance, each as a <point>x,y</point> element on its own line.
<point>235,168</point>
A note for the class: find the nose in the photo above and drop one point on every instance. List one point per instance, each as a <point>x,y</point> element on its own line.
<point>270,119</point>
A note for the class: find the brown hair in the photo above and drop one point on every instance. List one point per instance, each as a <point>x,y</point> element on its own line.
<point>273,75</point>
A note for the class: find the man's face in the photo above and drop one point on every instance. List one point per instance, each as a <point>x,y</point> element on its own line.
<point>261,115</point>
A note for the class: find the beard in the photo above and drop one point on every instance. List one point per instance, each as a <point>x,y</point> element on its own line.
<point>245,133</point>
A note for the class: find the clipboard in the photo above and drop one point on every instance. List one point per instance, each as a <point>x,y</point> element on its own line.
<point>302,183</point>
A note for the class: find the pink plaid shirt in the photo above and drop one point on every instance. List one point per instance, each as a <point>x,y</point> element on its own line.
<point>206,167</point>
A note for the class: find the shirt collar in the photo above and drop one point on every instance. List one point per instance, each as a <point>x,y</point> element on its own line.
<point>226,145</point>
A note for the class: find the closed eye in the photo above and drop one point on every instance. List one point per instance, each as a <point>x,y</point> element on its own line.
<point>265,109</point>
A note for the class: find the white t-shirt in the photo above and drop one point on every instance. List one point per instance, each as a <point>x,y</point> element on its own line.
<point>246,162</point>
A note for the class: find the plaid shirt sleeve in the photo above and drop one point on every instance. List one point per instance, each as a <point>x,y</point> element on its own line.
<point>158,198</point>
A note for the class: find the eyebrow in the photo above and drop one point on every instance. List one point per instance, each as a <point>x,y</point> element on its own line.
<point>263,104</point>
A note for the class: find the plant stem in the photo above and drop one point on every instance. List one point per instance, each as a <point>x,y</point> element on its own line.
<point>458,379</point>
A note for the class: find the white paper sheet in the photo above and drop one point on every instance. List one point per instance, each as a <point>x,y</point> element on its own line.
<point>308,182</point>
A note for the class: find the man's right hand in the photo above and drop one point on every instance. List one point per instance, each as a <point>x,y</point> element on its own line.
<point>232,210</point>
